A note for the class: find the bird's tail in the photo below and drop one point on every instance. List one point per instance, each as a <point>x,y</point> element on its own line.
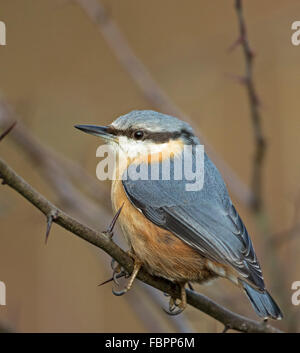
<point>262,302</point>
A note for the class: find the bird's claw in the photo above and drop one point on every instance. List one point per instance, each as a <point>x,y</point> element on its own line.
<point>108,233</point>
<point>175,308</point>
<point>118,269</point>
<point>118,273</point>
<point>115,277</point>
<point>112,263</point>
<point>119,293</point>
<point>174,313</point>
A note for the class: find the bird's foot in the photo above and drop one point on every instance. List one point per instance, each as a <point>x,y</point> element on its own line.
<point>110,230</point>
<point>118,272</point>
<point>177,306</point>
<point>118,269</point>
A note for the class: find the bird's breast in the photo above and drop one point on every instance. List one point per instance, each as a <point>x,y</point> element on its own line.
<point>161,252</point>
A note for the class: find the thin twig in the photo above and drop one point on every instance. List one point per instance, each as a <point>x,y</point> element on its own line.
<point>275,264</point>
<point>225,316</point>
<point>260,143</point>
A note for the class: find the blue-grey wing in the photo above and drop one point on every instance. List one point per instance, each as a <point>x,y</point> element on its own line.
<point>206,219</point>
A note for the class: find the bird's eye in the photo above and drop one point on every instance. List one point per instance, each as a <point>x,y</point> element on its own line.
<point>138,135</point>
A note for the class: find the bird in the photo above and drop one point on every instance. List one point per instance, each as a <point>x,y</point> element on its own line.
<point>185,236</point>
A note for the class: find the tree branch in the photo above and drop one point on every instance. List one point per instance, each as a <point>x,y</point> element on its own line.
<point>275,264</point>
<point>61,173</point>
<point>229,319</point>
<point>260,143</point>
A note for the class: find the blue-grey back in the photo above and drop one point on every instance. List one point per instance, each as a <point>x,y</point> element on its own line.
<point>204,219</point>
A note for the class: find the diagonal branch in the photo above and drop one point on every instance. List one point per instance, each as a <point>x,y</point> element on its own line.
<point>229,319</point>
<point>61,174</point>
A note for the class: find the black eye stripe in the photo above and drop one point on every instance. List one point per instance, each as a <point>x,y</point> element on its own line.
<point>158,137</point>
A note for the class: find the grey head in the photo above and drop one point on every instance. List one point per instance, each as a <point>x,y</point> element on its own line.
<point>145,125</point>
<point>154,126</point>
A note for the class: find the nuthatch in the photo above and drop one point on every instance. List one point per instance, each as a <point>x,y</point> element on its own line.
<point>184,236</point>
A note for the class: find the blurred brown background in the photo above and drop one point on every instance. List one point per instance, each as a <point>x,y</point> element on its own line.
<point>57,70</point>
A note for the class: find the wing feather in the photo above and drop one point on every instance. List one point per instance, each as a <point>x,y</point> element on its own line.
<point>206,219</point>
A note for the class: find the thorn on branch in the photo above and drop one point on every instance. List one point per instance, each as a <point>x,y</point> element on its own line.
<point>105,282</point>
<point>110,229</point>
<point>8,130</point>
<point>235,44</point>
<point>119,275</point>
<point>50,218</point>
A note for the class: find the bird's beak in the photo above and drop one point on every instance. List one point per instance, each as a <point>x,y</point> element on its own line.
<point>100,131</point>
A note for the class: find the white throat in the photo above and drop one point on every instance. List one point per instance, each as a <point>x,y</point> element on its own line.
<point>133,148</point>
